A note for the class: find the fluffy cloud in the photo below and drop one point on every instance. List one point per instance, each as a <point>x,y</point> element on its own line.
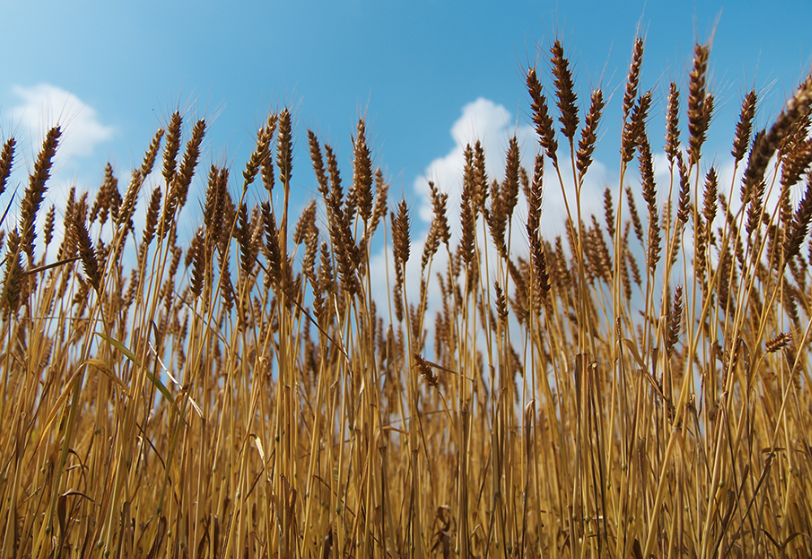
<point>493,125</point>
<point>43,106</point>
<point>38,109</point>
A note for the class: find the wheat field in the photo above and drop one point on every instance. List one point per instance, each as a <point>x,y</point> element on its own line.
<point>637,387</point>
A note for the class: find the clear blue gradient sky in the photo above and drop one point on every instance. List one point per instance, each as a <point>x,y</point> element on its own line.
<point>114,71</point>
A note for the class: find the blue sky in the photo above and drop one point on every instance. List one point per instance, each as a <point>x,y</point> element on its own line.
<point>112,72</point>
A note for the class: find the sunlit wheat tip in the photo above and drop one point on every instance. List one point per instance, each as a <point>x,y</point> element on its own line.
<point>633,78</point>
<point>609,212</point>
<point>306,221</point>
<point>541,275</point>
<point>397,294</point>
<point>400,233</point>
<point>171,147</point>
<point>12,284</point>
<point>796,162</point>
<point>745,126</point>
<point>799,226</point>
<point>698,114</point>
<point>541,117</point>
<point>362,174</point>
<point>480,192</point>
<point>603,267</point>
<point>634,127</point>
<point>534,196</point>
<point>151,153</point>
<point>381,200</point>
<point>439,201</point>
<point>496,218</point>
<point>244,234</point>
<point>675,322</point>
<point>189,162</point>
<point>274,267</point>
<point>311,251</point>
<point>84,247</point>
<point>684,199</point>
<point>565,91</point>
<point>672,124</point>
<point>510,188</point>
<point>650,197</point>
<point>589,137</point>
<point>501,303</point>
<point>284,150</point>
<point>6,162</point>
<point>151,224</point>
<point>318,163</point>
<point>48,228</point>
<point>468,223</point>
<point>35,193</point>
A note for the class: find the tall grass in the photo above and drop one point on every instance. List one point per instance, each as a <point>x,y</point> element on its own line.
<point>638,387</point>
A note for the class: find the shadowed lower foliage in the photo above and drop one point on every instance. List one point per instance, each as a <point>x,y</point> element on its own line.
<point>640,387</point>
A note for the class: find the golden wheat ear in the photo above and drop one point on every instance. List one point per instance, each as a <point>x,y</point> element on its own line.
<point>35,193</point>
<point>6,162</point>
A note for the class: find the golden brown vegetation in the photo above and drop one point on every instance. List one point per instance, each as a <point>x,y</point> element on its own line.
<point>244,396</point>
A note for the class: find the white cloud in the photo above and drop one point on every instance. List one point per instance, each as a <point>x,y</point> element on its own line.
<point>44,106</point>
<point>493,125</point>
<point>38,109</point>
